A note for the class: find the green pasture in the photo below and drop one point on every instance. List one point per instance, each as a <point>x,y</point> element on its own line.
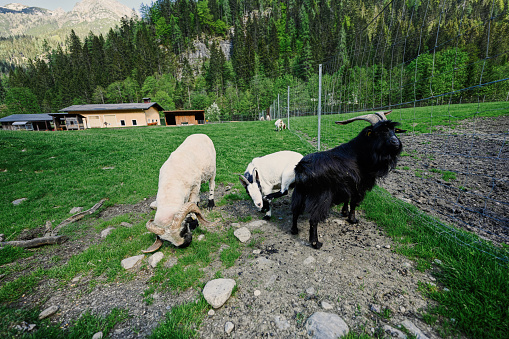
<point>56,171</point>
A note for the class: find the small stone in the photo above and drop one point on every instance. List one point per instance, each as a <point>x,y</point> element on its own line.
<point>413,329</point>
<point>211,312</point>
<point>228,327</point>
<point>437,261</point>
<point>98,335</point>
<point>402,309</point>
<point>131,262</point>
<point>76,279</point>
<point>2,237</point>
<point>107,232</point>
<point>309,260</point>
<point>30,327</point>
<point>75,210</point>
<point>257,251</point>
<point>387,246</point>
<point>394,333</point>
<point>243,234</point>
<point>108,168</point>
<point>236,225</point>
<point>446,289</point>
<point>330,259</point>
<point>378,246</point>
<point>257,293</point>
<point>216,292</point>
<point>326,325</point>
<point>256,223</point>
<point>200,237</point>
<point>18,201</point>
<point>375,308</point>
<point>153,205</point>
<point>48,312</point>
<point>407,265</point>
<point>326,305</point>
<point>126,224</point>
<point>310,291</point>
<point>155,258</point>
<point>281,323</point>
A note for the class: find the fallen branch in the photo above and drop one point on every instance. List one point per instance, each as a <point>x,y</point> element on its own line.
<point>35,242</point>
<point>77,217</point>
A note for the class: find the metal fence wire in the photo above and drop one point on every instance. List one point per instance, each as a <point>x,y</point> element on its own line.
<point>453,102</point>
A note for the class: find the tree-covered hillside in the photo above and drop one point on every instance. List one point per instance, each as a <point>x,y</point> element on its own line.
<point>274,44</point>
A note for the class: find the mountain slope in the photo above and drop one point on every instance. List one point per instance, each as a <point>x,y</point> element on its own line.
<point>40,24</point>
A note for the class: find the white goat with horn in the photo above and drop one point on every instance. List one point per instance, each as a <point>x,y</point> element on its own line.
<point>178,195</point>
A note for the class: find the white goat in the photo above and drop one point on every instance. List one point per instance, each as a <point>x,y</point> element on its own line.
<point>180,178</point>
<point>280,125</point>
<point>269,177</point>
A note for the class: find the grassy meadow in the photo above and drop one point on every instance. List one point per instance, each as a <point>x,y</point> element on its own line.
<point>56,171</point>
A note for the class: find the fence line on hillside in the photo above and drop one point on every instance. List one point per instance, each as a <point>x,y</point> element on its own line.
<point>463,163</point>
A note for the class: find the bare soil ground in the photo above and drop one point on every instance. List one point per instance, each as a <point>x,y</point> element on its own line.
<point>355,274</point>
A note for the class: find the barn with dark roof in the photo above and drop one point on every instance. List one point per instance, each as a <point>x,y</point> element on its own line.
<point>117,115</point>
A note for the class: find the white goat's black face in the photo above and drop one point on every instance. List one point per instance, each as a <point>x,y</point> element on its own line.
<point>252,185</point>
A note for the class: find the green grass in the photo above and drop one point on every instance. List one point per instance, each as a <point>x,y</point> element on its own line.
<point>477,300</point>
<point>56,171</point>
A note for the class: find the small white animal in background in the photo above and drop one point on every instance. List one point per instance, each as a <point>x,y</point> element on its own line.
<point>280,125</point>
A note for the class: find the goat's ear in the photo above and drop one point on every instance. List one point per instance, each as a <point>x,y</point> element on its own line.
<point>255,175</point>
<point>243,181</point>
<point>399,130</point>
<point>369,131</point>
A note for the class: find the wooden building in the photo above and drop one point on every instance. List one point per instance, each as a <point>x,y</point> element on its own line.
<point>117,115</point>
<point>28,122</point>
<point>184,117</point>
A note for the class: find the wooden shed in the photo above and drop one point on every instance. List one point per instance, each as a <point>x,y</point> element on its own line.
<point>28,122</point>
<point>184,117</point>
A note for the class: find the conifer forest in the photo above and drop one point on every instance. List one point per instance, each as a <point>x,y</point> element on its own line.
<point>239,54</point>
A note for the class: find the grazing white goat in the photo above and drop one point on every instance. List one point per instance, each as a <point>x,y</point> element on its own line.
<point>269,177</point>
<point>178,194</point>
<point>280,125</point>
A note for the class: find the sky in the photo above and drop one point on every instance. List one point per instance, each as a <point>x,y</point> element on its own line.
<point>67,5</point>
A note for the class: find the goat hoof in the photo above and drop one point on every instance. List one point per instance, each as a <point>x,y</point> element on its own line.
<point>316,244</point>
<point>354,221</point>
<point>294,231</point>
<point>210,205</point>
<point>266,217</point>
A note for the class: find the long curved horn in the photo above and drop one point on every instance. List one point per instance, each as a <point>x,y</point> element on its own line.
<point>155,246</point>
<point>189,207</point>
<point>372,118</point>
<point>154,228</point>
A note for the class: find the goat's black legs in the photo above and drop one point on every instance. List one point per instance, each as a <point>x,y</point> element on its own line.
<point>351,216</point>
<point>313,235</point>
<point>344,210</point>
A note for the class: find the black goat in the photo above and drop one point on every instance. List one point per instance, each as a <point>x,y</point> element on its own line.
<point>344,173</point>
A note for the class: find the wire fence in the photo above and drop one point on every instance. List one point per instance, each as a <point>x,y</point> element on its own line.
<point>453,102</point>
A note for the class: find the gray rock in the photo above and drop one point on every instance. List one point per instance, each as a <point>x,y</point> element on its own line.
<point>310,291</point>
<point>309,260</point>
<point>131,262</point>
<point>98,335</point>
<point>228,327</point>
<point>217,291</point>
<point>211,312</point>
<point>18,201</point>
<point>48,312</point>
<point>394,333</point>
<point>126,224</point>
<point>2,237</point>
<point>153,205</point>
<point>257,251</point>
<point>413,329</point>
<point>201,237</point>
<point>257,293</point>
<point>76,278</point>
<point>235,225</point>
<point>108,168</point>
<point>323,325</point>
<point>375,308</point>
<point>281,323</point>
<point>326,305</point>
<point>155,258</point>
<point>106,232</point>
<point>75,210</point>
<point>256,223</point>
<point>171,262</point>
<point>242,234</point>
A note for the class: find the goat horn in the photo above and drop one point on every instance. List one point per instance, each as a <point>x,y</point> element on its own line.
<point>189,207</point>
<point>372,118</point>
<point>154,228</point>
<point>155,246</point>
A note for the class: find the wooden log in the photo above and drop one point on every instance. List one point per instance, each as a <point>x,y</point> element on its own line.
<point>60,239</point>
<point>77,217</point>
